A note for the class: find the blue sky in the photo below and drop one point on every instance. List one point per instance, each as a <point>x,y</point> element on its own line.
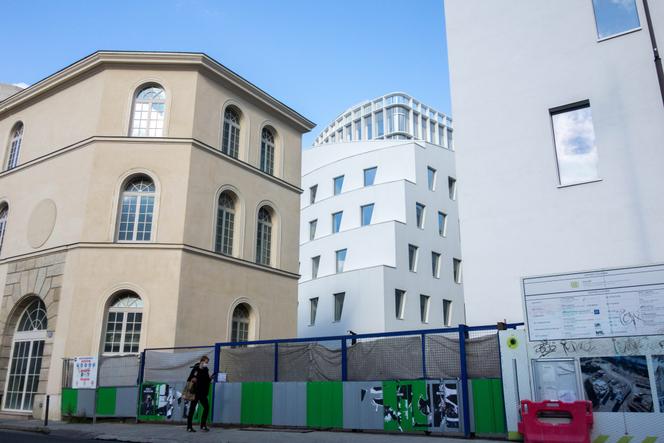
<point>319,57</point>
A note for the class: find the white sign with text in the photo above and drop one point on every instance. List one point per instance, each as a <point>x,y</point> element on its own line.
<point>85,373</point>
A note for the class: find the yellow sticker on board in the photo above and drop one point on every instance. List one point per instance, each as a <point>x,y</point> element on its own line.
<point>512,342</point>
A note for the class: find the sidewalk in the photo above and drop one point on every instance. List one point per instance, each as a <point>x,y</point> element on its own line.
<point>147,432</point>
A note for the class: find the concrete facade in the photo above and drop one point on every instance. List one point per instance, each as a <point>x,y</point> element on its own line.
<point>61,243</point>
<point>511,64</point>
<point>377,253</point>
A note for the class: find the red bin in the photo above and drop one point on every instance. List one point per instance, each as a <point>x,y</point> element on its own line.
<point>579,421</point>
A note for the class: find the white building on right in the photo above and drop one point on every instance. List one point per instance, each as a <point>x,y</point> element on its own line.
<point>559,108</point>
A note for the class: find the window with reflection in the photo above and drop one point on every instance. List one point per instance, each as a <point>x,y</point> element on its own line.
<point>380,129</point>
<point>419,215</point>
<point>15,145</point>
<point>136,210</point>
<point>313,309</point>
<point>148,112</point>
<point>399,303</point>
<point>267,151</point>
<point>123,324</point>
<point>336,221</point>
<point>366,214</point>
<point>230,141</point>
<point>4,214</point>
<point>338,305</point>
<point>315,263</point>
<point>340,260</point>
<point>574,138</point>
<point>338,184</point>
<point>240,323</point>
<point>225,223</point>
<point>614,17</point>
<point>264,237</point>
<point>370,176</point>
<point>412,258</point>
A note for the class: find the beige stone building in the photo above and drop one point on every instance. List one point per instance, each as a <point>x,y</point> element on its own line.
<point>146,200</point>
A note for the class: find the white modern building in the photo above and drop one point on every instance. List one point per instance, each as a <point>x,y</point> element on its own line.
<point>559,110</point>
<point>379,243</point>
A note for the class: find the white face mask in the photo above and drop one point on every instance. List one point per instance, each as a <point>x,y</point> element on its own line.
<point>204,365</point>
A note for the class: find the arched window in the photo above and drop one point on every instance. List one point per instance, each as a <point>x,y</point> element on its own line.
<point>148,114</point>
<point>123,324</point>
<point>225,223</point>
<point>230,141</point>
<point>264,237</point>
<point>15,145</point>
<point>4,213</point>
<point>136,210</point>
<point>267,151</point>
<point>26,357</point>
<point>240,323</point>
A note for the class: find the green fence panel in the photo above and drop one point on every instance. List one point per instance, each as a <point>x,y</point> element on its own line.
<point>256,404</point>
<point>401,401</point>
<point>325,404</point>
<point>488,406</point>
<point>69,402</point>
<point>106,401</point>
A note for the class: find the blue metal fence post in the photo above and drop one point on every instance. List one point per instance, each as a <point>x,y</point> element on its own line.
<point>215,374</point>
<point>464,380</point>
<point>276,362</point>
<point>344,360</point>
<point>424,357</point>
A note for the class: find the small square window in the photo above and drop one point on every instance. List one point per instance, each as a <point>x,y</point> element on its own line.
<point>340,260</point>
<point>399,303</point>
<point>614,17</point>
<point>370,176</point>
<point>412,257</point>
<point>338,305</point>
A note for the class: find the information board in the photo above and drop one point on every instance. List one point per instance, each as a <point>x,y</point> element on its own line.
<point>85,373</point>
<point>606,303</point>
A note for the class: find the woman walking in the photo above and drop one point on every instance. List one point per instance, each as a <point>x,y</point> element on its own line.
<point>200,377</point>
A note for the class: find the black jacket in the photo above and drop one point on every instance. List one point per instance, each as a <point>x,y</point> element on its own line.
<point>203,380</point>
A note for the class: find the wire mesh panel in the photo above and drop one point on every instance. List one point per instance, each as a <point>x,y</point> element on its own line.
<point>442,355</point>
<point>483,354</point>
<point>173,365</point>
<point>393,358</point>
<point>120,370</point>
<point>315,361</point>
<point>247,363</point>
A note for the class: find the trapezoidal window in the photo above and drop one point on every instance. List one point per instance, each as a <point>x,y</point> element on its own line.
<point>135,220</point>
<point>148,112</point>
<point>264,237</point>
<point>223,242</point>
<point>123,324</point>
<point>230,140</point>
<point>14,145</point>
<point>267,151</point>
<point>26,357</point>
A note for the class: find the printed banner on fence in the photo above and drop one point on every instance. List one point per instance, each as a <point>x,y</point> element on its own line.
<point>85,373</point>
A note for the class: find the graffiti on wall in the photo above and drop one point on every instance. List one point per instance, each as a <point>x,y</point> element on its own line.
<point>658,369</point>
<point>406,406</point>
<point>445,406</point>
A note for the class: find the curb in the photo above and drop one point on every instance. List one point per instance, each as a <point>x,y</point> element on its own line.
<point>33,429</point>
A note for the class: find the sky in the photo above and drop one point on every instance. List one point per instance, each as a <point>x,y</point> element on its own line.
<point>319,57</point>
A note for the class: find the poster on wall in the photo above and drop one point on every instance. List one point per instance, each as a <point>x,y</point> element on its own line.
<point>85,373</point>
<point>617,384</point>
<point>658,367</point>
<point>605,303</point>
<point>159,401</point>
<point>445,406</point>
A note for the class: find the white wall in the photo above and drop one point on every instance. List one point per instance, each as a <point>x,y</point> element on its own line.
<point>511,62</point>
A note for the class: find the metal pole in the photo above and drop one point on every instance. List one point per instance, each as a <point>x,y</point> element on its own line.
<point>276,362</point>
<point>344,360</point>
<point>48,401</point>
<point>655,50</point>
<point>94,409</point>
<point>464,380</point>
<point>424,357</point>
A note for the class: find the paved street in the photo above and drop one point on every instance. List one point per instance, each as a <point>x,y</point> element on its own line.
<point>61,432</point>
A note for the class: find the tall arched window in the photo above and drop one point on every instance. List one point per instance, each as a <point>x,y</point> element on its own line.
<point>26,357</point>
<point>148,113</point>
<point>123,324</point>
<point>240,323</point>
<point>264,236</point>
<point>267,151</point>
<point>230,141</point>
<point>4,213</point>
<point>225,223</point>
<point>15,145</point>
<point>136,210</point>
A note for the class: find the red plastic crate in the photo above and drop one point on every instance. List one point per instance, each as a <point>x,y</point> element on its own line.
<point>536,431</point>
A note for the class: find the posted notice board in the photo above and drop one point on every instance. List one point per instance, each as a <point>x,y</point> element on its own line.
<point>605,303</point>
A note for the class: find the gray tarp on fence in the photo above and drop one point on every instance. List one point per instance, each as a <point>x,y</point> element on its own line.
<point>119,370</point>
<point>172,366</point>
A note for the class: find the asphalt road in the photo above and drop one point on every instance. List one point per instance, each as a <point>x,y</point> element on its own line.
<point>30,437</point>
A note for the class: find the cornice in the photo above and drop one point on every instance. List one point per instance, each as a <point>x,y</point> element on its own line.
<point>184,59</point>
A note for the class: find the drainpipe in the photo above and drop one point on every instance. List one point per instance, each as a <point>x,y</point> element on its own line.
<point>658,59</point>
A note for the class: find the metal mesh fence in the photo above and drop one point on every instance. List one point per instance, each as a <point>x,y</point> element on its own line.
<point>314,361</point>
<point>247,363</point>
<point>393,358</point>
<point>442,355</point>
<point>483,354</point>
<point>113,371</point>
<point>173,365</point>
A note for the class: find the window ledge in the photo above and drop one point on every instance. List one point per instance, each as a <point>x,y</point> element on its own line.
<point>580,183</point>
<point>629,31</point>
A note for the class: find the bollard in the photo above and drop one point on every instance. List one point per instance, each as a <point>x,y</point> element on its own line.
<point>48,401</point>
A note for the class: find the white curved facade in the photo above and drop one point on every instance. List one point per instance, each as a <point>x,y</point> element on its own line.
<point>392,116</point>
<point>376,262</point>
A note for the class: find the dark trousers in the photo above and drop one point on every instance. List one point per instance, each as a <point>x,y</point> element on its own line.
<point>192,408</point>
